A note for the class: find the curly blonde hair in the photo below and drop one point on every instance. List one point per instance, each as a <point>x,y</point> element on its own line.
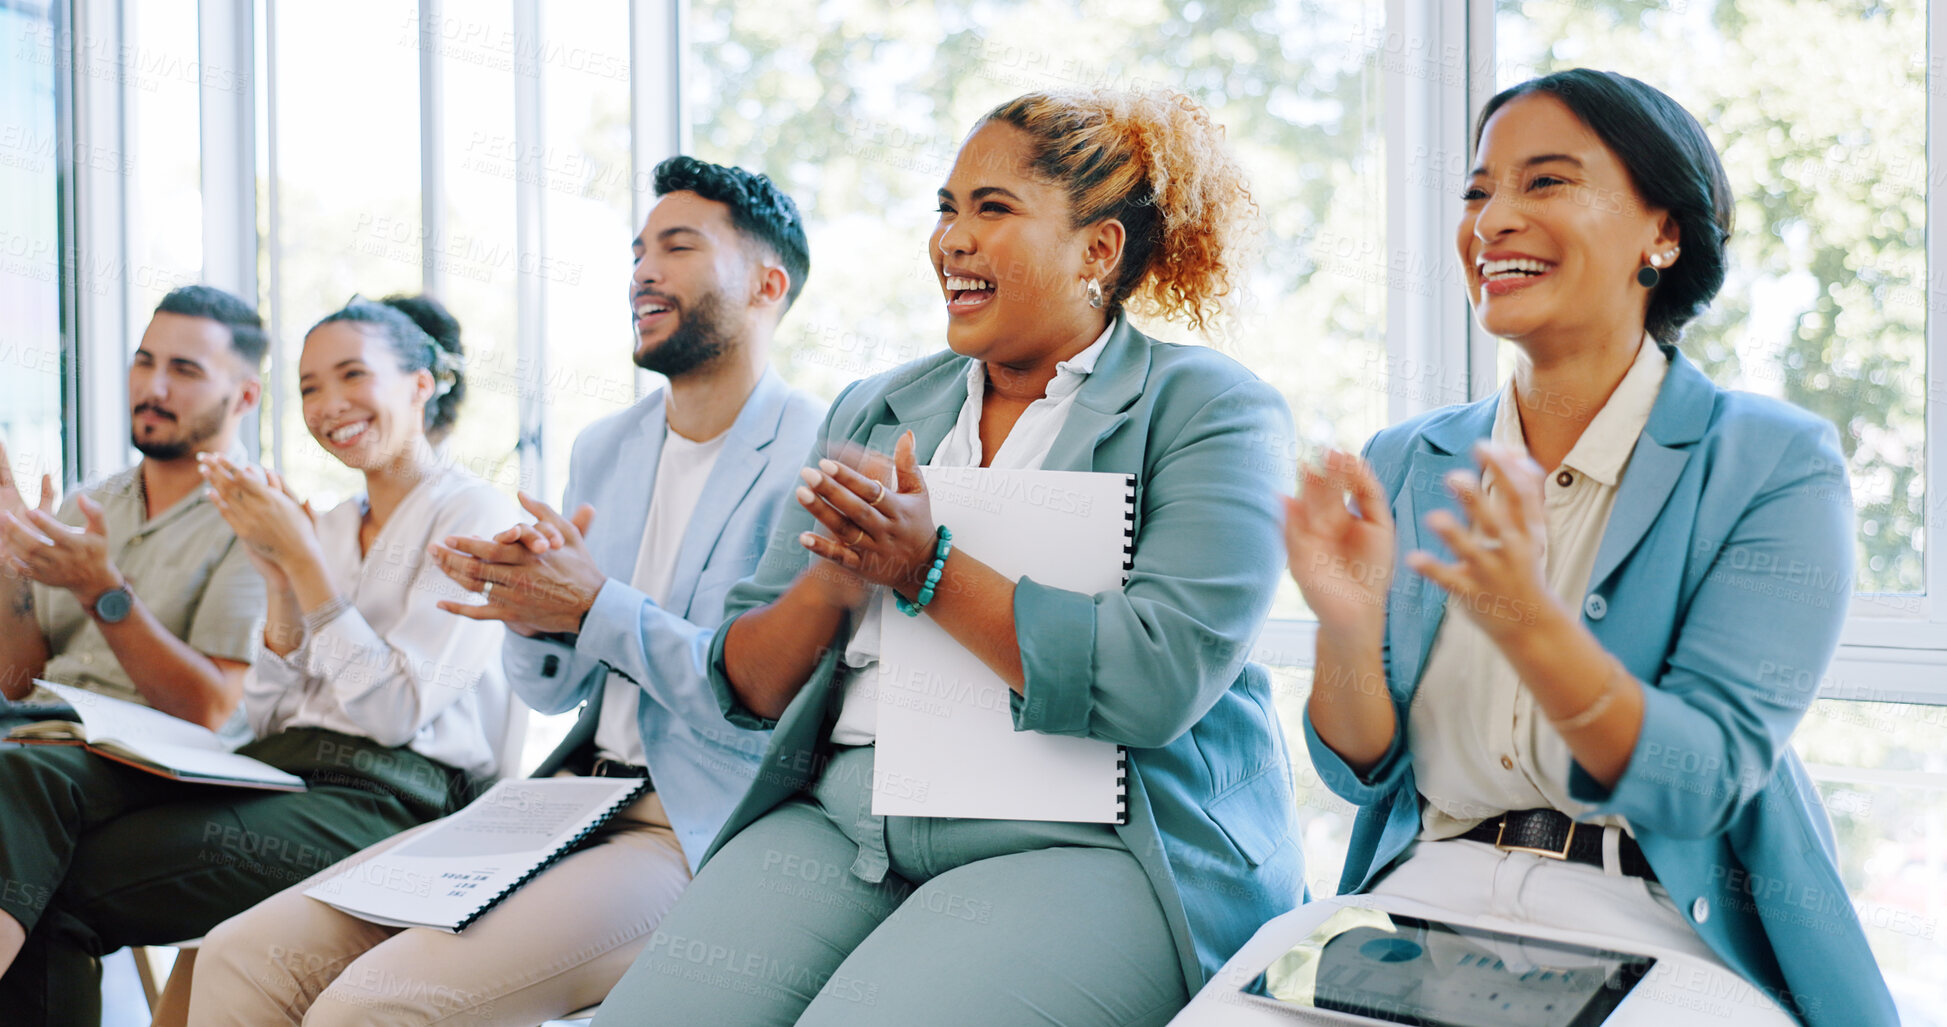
<point>1156,162</point>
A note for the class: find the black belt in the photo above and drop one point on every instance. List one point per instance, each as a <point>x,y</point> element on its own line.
<point>1555,835</point>
<point>605,767</point>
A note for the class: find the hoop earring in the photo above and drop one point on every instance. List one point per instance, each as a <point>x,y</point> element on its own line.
<point>1095,298</point>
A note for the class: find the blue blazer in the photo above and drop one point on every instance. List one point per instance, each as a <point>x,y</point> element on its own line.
<point>700,764</point>
<point>1159,666</point>
<point>1721,582</point>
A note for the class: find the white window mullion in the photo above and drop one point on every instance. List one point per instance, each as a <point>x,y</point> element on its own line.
<point>1423,77</point>
<point>277,391</point>
<point>530,245</point>
<point>1483,350</point>
<point>1935,571</point>
<point>94,162</point>
<point>226,31</point>
<point>657,125</point>
<point>432,149</point>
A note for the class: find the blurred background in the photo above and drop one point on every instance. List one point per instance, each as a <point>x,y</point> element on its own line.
<point>497,154</point>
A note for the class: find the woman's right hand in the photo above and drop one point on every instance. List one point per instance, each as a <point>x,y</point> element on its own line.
<point>1342,559</point>
<point>273,524</point>
<point>834,583</point>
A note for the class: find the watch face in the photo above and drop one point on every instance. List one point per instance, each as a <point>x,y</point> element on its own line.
<point>113,605</point>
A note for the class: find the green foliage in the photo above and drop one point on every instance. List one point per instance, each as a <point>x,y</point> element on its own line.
<point>1818,108</point>
<point>858,109</point>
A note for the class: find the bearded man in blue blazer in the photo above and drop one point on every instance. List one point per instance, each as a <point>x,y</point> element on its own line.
<point>617,620</point>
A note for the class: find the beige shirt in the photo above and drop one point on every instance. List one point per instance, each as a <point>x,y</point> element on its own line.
<point>184,564</point>
<point>1479,743</point>
<point>394,667</point>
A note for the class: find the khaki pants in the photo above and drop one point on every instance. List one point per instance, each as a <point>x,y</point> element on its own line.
<point>556,945</point>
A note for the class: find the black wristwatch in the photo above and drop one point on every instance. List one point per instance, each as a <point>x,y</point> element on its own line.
<point>113,606</point>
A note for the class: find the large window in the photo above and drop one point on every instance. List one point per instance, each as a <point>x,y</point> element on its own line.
<point>344,159</point>
<point>165,191</point>
<point>498,152</point>
<point>858,112</point>
<point>31,362</point>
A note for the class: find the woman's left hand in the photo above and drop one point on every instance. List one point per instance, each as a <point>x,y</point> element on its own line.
<point>1498,574</point>
<point>262,511</point>
<point>883,533</point>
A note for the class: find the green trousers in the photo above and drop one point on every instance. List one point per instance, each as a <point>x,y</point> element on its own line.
<point>95,855</point>
<point>821,913</point>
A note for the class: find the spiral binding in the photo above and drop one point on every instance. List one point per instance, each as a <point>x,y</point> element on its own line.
<point>1121,785</point>
<point>1128,564</point>
<point>566,847</point>
<point>1128,526</point>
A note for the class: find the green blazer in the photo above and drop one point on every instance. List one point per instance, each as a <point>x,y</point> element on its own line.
<point>1159,666</point>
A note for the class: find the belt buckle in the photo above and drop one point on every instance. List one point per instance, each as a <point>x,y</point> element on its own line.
<point>1567,843</point>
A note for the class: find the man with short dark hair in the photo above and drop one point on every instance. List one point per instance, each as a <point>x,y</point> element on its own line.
<point>136,588</point>
<point>689,482</point>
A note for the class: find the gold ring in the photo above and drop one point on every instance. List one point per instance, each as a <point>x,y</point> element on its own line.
<point>882,492</point>
<point>854,540</point>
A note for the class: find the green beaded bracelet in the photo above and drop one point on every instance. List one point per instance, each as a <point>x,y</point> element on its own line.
<point>912,607</point>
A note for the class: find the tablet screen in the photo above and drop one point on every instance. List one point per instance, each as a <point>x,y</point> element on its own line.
<point>1402,969</point>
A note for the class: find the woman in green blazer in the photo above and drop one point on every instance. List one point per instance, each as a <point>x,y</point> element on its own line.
<point>1060,211</point>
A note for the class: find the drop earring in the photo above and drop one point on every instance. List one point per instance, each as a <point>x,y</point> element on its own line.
<point>1094,290</point>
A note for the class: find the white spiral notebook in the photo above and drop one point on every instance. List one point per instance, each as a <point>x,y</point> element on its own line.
<point>946,741</point>
<point>455,869</point>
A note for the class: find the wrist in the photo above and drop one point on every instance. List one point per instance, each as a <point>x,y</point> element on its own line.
<point>583,606</point>
<point>90,593</point>
<point>1533,628</point>
<point>309,583</point>
<point>1349,638</point>
<point>931,579</point>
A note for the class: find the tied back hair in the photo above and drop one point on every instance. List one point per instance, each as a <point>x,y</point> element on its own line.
<point>424,336</point>
<point>1673,167</point>
<point>1156,162</point>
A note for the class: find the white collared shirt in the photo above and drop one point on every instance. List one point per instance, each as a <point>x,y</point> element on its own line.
<point>1480,745</point>
<point>1026,447</point>
<point>393,667</point>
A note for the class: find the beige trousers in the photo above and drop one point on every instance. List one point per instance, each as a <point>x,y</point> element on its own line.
<point>556,945</point>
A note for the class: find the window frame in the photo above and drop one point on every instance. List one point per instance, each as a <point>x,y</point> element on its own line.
<point>1892,648</point>
<point>1437,66</point>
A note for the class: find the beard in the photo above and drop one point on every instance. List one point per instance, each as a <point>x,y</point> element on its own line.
<point>697,341</point>
<point>191,432</point>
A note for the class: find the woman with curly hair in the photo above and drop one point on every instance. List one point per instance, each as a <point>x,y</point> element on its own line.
<point>1062,213</point>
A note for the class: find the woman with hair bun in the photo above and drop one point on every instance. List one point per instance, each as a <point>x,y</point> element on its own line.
<point>1574,709</point>
<point>391,710</point>
<point>354,638</point>
<point>1062,214</point>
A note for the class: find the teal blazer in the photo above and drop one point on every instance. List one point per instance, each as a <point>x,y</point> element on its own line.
<point>1721,582</point>
<point>1159,666</point>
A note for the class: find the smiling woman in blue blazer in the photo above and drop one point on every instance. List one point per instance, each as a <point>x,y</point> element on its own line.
<point>1058,212</point>
<point>1649,570</point>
